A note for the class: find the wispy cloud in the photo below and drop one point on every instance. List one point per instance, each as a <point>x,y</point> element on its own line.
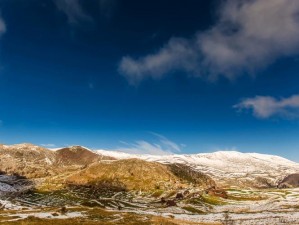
<point>77,16</point>
<point>168,144</point>
<point>2,31</point>
<point>162,146</point>
<point>107,7</point>
<point>91,85</point>
<point>74,11</point>
<point>265,106</point>
<point>2,26</point>
<point>249,35</point>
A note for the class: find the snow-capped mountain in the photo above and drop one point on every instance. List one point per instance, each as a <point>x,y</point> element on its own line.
<point>228,168</point>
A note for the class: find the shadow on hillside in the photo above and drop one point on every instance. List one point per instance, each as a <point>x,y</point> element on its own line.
<point>13,185</point>
<point>188,174</point>
<point>104,187</point>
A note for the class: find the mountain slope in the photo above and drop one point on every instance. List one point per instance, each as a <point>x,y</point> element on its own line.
<point>228,168</point>
<point>76,165</point>
<point>27,160</point>
<point>136,174</point>
<point>33,161</point>
<point>77,155</point>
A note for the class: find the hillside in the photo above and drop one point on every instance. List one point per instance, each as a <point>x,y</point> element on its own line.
<point>136,174</point>
<point>81,165</point>
<point>76,165</point>
<point>76,181</point>
<point>27,160</point>
<point>33,161</point>
<point>77,155</point>
<point>227,168</point>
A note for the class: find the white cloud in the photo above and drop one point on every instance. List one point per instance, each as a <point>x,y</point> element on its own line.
<point>265,106</point>
<point>162,147</point>
<point>49,145</point>
<point>73,10</point>
<point>176,55</point>
<point>249,35</point>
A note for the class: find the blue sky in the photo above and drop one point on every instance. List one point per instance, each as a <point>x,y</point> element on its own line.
<point>150,76</point>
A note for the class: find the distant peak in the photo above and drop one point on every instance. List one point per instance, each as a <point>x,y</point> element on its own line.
<point>24,145</point>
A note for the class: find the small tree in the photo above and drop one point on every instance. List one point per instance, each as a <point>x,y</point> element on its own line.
<point>227,219</point>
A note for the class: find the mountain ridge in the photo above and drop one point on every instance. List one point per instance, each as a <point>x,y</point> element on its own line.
<point>36,177</point>
<point>84,168</point>
<point>227,168</point>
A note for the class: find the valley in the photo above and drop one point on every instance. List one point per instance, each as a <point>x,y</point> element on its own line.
<point>76,185</point>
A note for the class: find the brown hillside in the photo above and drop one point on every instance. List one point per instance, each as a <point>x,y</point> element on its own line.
<point>26,160</point>
<point>77,155</point>
<point>82,167</point>
<point>129,174</point>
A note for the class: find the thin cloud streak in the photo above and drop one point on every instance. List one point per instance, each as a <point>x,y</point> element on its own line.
<point>2,26</point>
<point>168,144</point>
<point>107,7</point>
<point>162,146</point>
<point>74,11</point>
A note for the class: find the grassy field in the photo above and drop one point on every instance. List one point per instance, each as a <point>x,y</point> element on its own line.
<point>258,206</point>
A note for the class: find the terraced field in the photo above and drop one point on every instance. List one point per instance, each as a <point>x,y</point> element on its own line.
<point>269,206</point>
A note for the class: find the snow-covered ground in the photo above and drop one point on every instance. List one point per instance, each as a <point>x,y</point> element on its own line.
<point>8,217</point>
<point>277,207</point>
<point>5,188</point>
<point>5,204</point>
<point>226,167</point>
<point>47,215</point>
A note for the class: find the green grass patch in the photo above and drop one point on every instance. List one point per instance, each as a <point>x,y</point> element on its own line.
<point>157,194</point>
<point>212,200</point>
<point>193,210</point>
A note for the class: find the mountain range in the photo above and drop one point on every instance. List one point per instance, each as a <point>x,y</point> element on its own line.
<point>228,168</point>
<point>77,165</point>
<point>195,187</point>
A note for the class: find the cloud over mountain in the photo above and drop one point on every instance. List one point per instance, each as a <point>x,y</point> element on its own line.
<point>161,146</point>
<point>249,35</point>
